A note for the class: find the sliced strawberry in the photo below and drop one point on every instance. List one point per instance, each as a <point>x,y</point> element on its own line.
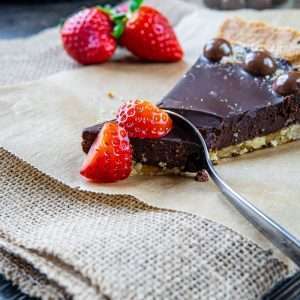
<point>87,36</point>
<point>149,35</point>
<point>142,119</point>
<point>110,157</point>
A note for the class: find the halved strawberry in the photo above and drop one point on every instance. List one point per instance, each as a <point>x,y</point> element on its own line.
<point>142,119</point>
<point>110,157</point>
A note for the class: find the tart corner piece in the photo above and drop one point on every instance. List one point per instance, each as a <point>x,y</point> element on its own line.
<point>241,94</point>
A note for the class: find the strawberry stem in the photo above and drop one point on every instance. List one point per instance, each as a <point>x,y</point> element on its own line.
<point>118,28</point>
<point>135,5</point>
<point>120,19</point>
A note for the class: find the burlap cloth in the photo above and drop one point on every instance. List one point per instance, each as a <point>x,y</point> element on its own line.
<point>58,242</point>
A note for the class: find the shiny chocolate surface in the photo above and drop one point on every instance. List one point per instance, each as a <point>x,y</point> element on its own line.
<point>216,91</point>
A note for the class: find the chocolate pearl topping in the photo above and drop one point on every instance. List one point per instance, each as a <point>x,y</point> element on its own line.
<point>216,49</point>
<point>259,63</point>
<point>287,84</point>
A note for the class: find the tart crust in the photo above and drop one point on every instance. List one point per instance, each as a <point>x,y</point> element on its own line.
<point>283,136</point>
<point>282,42</point>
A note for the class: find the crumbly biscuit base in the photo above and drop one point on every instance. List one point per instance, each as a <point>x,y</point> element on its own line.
<point>280,137</point>
<point>283,136</point>
<point>282,42</point>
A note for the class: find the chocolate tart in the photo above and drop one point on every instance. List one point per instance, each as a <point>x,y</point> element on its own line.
<point>243,94</point>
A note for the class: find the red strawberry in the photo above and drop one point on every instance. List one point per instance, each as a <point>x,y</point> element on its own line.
<point>149,35</point>
<point>110,157</point>
<point>142,119</point>
<point>87,36</point>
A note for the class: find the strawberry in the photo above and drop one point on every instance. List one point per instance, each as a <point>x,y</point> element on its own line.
<point>142,119</point>
<point>110,157</point>
<point>149,35</point>
<point>87,36</point>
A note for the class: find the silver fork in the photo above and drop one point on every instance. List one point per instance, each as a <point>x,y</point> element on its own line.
<point>275,233</point>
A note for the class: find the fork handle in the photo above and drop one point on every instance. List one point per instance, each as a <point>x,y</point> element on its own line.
<point>277,234</point>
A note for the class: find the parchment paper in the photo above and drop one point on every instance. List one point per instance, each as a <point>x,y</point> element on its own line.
<point>42,122</point>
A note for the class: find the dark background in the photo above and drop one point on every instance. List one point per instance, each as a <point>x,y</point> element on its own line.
<point>20,18</point>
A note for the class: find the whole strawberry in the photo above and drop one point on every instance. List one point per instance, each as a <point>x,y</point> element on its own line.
<point>87,36</point>
<point>149,35</point>
<point>110,157</point>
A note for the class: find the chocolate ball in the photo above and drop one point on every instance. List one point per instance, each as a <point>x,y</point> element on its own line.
<point>259,63</point>
<point>287,84</point>
<point>216,49</point>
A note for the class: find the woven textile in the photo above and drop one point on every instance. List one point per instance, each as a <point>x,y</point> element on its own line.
<point>23,60</point>
<point>58,242</point>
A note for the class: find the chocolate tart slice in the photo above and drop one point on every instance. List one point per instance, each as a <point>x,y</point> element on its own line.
<point>243,94</point>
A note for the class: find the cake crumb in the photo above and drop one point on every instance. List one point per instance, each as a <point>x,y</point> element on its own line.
<point>110,94</point>
<point>202,176</point>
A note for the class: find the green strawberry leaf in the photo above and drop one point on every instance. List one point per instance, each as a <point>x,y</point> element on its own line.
<point>135,5</point>
<point>118,28</point>
<point>119,17</point>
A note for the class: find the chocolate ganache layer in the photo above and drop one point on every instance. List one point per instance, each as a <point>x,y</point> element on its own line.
<point>230,101</point>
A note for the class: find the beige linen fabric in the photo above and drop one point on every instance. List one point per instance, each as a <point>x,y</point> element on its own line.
<point>28,59</point>
<point>56,241</point>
